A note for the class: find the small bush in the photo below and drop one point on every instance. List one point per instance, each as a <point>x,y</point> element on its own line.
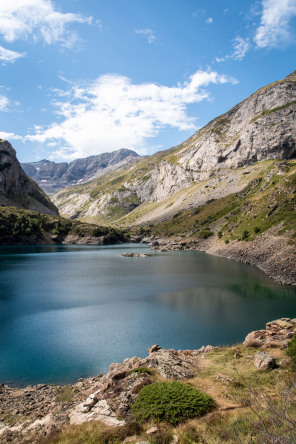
<point>226,241</point>
<point>220,234</point>
<point>245,235</point>
<point>292,351</point>
<point>205,234</point>
<point>145,370</point>
<point>256,229</point>
<point>171,402</point>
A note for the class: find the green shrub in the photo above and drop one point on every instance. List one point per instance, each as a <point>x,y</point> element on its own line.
<point>146,370</point>
<point>220,234</point>
<point>245,235</point>
<point>256,229</point>
<point>226,241</point>
<point>100,231</point>
<point>171,402</point>
<point>292,351</point>
<point>205,234</point>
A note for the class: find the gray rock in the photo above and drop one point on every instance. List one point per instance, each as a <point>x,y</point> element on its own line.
<point>153,348</point>
<point>16,188</point>
<point>130,254</point>
<point>264,361</point>
<point>54,176</point>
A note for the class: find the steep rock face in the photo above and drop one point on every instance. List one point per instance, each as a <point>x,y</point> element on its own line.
<point>53,176</point>
<point>262,127</point>
<point>16,188</point>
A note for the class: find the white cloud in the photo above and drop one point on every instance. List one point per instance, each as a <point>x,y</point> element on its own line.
<point>240,47</point>
<point>274,28</point>
<point>39,20</point>
<point>7,56</point>
<point>148,34</point>
<point>3,103</point>
<point>9,136</point>
<point>112,112</point>
<point>209,20</point>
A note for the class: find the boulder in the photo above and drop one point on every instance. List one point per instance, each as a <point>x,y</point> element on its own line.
<point>264,361</point>
<point>153,348</point>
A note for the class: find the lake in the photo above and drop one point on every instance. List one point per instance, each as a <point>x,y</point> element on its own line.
<point>69,311</point>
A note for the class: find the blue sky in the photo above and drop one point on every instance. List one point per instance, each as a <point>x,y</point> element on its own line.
<point>82,77</point>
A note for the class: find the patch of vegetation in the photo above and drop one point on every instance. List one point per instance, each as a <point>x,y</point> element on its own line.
<point>20,223</point>
<point>268,200</point>
<point>64,394</point>
<point>272,110</point>
<point>205,234</point>
<point>245,235</point>
<point>120,433</point>
<point>144,370</point>
<point>171,402</point>
<point>292,351</point>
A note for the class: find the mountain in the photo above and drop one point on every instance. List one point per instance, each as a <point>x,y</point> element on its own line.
<point>209,165</point>
<point>53,176</point>
<point>16,188</point>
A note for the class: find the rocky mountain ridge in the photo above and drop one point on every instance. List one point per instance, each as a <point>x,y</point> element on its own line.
<point>260,128</point>
<point>52,176</point>
<point>16,188</point>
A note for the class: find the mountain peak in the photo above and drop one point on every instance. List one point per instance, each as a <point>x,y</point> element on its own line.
<point>52,176</point>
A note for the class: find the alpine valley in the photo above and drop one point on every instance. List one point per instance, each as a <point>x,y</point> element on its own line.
<point>228,190</point>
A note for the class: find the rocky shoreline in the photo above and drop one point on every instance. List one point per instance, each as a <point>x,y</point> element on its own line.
<point>32,412</point>
<point>270,252</point>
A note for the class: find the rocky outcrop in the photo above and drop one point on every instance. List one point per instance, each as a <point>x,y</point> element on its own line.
<point>106,398</point>
<point>16,188</point>
<point>261,127</point>
<point>276,334</point>
<point>52,176</point>
<point>131,254</point>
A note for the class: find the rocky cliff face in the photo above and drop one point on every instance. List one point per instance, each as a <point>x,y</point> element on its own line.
<point>53,176</point>
<point>260,128</point>
<point>16,188</point>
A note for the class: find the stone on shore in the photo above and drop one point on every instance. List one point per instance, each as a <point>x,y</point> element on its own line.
<point>264,361</point>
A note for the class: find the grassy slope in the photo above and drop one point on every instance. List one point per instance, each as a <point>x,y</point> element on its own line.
<point>265,202</point>
<point>229,376</point>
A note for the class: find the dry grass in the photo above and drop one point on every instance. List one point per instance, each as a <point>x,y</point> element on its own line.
<point>241,393</point>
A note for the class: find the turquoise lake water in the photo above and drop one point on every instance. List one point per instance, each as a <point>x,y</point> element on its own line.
<point>68,312</point>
